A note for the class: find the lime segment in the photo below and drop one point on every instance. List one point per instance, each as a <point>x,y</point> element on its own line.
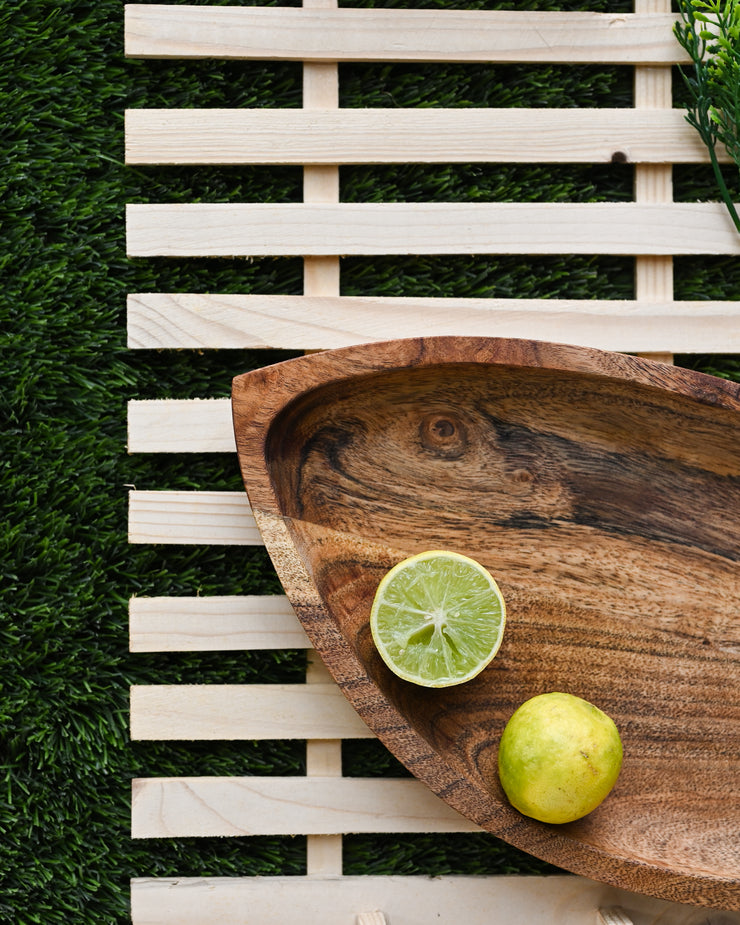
<point>438,618</point>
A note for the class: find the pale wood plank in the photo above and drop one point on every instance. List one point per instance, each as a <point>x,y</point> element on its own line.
<point>371,918</point>
<point>615,916</point>
<point>243,711</point>
<point>231,229</point>
<point>514,900</point>
<point>214,623</point>
<point>188,517</point>
<point>380,136</point>
<point>324,853</point>
<point>214,806</point>
<point>320,182</point>
<point>161,31</point>
<point>208,320</point>
<point>210,420</point>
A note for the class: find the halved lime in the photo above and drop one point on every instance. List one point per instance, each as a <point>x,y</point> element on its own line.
<point>438,618</point>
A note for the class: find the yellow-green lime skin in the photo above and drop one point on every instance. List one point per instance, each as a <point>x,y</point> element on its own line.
<point>438,618</point>
<point>559,757</point>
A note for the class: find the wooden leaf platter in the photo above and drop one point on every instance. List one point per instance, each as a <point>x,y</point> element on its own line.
<point>603,493</point>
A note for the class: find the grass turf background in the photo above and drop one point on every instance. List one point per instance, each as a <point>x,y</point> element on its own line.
<point>65,851</point>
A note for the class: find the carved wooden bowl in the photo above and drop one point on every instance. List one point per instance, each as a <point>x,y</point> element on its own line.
<point>603,493</point>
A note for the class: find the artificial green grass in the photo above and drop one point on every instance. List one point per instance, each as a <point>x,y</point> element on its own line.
<point>65,851</point>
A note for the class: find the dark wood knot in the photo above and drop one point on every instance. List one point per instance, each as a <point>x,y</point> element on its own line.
<point>444,434</point>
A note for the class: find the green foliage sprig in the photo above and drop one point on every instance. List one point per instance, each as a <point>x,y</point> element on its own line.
<point>709,31</point>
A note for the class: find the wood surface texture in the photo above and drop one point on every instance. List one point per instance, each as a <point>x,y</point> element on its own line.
<point>316,229</point>
<point>591,485</point>
<point>209,320</point>
<point>243,711</point>
<point>310,805</point>
<point>588,509</point>
<point>160,31</point>
<point>520,900</point>
<point>216,623</point>
<point>381,136</point>
<point>653,182</point>
<point>191,517</point>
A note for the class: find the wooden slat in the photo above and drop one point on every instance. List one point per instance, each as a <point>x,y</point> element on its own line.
<point>260,229</point>
<point>223,806</point>
<point>214,623</point>
<point>208,320</point>
<point>359,136</point>
<point>653,183</point>
<point>192,517</point>
<point>613,917</point>
<point>514,900</point>
<point>243,711</point>
<point>210,420</point>
<point>161,31</point>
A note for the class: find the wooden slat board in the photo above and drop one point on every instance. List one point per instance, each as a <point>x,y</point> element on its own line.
<point>204,426</point>
<point>243,711</point>
<point>207,320</point>
<point>154,30</point>
<point>217,623</point>
<point>192,517</point>
<point>403,900</point>
<point>217,806</point>
<point>653,136</point>
<point>298,229</point>
<point>387,136</point>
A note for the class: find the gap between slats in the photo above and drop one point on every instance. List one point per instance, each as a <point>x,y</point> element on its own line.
<point>315,229</point>
<point>367,136</point>
<point>234,806</point>
<point>279,34</point>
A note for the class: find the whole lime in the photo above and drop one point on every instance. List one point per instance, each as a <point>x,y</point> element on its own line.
<point>559,757</point>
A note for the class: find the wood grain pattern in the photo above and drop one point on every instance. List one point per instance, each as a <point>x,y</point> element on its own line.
<point>161,31</point>
<point>188,517</point>
<point>382,136</point>
<point>211,320</point>
<point>236,806</point>
<point>242,711</point>
<point>316,229</point>
<point>156,426</point>
<point>653,183</point>
<point>613,917</point>
<point>214,623</point>
<point>603,492</point>
<point>521,900</point>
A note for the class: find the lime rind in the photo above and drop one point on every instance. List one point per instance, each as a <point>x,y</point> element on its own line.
<point>438,618</point>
